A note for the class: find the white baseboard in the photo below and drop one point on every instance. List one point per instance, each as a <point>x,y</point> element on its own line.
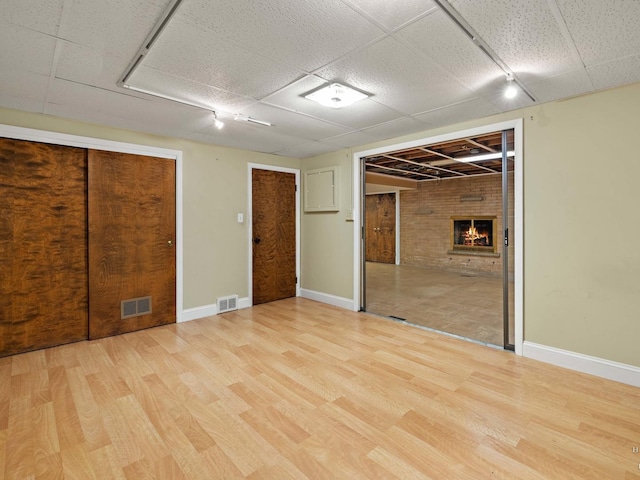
<point>341,302</point>
<point>208,310</point>
<point>618,372</point>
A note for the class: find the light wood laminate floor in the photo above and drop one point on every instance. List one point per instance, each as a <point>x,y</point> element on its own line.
<point>461,304</point>
<point>297,389</point>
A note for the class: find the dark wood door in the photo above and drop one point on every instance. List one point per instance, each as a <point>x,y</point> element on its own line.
<point>131,242</point>
<point>43,245</point>
<point>274,235</point>
<point>380,218</point>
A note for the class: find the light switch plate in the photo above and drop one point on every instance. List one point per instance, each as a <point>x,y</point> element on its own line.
<point>240,218</point>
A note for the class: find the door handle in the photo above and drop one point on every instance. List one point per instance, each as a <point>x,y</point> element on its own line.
<point>170,243</point>
<point>256,240</point>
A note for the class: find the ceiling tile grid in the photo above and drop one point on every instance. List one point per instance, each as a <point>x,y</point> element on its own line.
<point>306,34</point>
<point>25,50</point>
<point>259,59</point>
<point>38,15</point>
<point>389,14</point>
<point>398,78</point>
<point>603,29</point>
<point>524,33</point>
<point>113,26</point>
<point>437,37</point>
<point>195,53</point>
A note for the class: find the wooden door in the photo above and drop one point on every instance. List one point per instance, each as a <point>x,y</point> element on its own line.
<point>380,217</point>
<point>131,242</point>
<point>274,235</point>
<point>43,245</point>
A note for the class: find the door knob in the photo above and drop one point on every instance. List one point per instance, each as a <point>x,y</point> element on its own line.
<point>256,240</point>
<point>170,243</point>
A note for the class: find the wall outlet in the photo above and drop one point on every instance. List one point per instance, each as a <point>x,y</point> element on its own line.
<point>349,216</point>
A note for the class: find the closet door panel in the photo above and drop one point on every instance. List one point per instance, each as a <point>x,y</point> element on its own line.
<point>131,242</point>
<point>43,246</point>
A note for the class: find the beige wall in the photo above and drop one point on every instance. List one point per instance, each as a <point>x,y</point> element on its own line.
<point>581,264</point>
<point>214,191</point>
<point>327,237</point>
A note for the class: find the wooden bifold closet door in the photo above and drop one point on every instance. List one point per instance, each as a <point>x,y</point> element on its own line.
<point>131,241</point>
<point>80,232</point>
<point>43,245</point>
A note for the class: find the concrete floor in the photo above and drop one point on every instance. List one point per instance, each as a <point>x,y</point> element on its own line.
<point>468,306</point>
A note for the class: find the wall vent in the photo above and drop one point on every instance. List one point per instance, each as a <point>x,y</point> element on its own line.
<point>226,304</point>
<point>135,307</point>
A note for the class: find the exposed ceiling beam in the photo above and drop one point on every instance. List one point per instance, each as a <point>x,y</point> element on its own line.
<point>400,170</point>
<point>478,144</point>
<point>425,165</point>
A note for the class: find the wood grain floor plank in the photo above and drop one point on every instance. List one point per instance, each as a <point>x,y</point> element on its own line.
<point>298,389</point>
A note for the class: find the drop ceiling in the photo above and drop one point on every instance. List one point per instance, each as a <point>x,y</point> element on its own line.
<point>258,59</point>
<point>459,158</point>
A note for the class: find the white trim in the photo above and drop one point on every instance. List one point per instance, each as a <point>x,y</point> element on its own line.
<point>327,298</point>
<point>296,172</point>
<point>600,367</point>
<point>209,310</point>
<point>198,312</point>
<point>397,228</point>
<point>516,125</point>
<point>43,136</point>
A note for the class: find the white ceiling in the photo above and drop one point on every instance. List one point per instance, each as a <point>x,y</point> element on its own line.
<point>65,57</point>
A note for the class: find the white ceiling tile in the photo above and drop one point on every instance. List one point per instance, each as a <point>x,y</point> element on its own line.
<point>603,29</point>
<point>24,49</point>
<point>306,35</point>
<point>442,41</point>
<point>395,77</point>
<point>561,86</point>
<point>246,136</point>
<point>390,14</point>
<point>396,128</point>
<point>114,26</point>
<point>188,90</point>
<point>361,114</point>
<point>305,150</point>
<point>39,15</point>
<point>22,90</point>
<point>524,33</point>
<point>460,112</point>
<point>122,110</point>
<point>291,123</point>
<point>197,54</point>
<point>88,66</point>
<point>350,140</point>
<point>616,73</point>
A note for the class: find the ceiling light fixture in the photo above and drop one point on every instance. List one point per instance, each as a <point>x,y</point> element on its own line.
<point>511,91</point>
<point>486,156</point>
<point>243,118</point>
<point>336,95</point>
<point>216,122</point>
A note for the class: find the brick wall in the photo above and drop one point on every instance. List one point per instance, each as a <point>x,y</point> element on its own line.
<point>425,216</point>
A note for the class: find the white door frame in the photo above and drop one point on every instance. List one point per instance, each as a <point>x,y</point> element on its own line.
<point>273,168</point>
<point>70,140</point>
<point>358,181</point>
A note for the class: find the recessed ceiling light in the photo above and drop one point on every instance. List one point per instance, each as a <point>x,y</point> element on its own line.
<point>336,95</point>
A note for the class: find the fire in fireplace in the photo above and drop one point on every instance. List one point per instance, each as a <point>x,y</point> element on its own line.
<point>473,234</point>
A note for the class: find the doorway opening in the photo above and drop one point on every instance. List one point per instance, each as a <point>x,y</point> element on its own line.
<point>459,264</point>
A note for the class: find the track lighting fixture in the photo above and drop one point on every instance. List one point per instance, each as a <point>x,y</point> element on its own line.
<point>511,91</point>
<point>216,122</point>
